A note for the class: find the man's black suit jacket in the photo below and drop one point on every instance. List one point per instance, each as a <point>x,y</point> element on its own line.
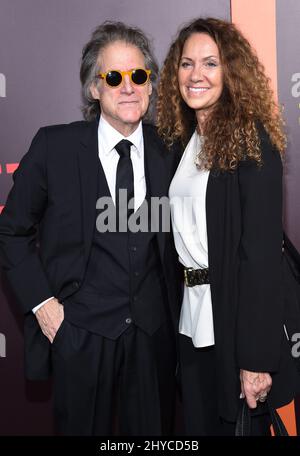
<point>47,226</point>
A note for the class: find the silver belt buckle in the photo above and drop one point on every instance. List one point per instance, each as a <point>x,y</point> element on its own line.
<point>186,277</point>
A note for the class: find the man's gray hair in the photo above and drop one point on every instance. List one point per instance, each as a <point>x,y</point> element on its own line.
<point>103,35</point>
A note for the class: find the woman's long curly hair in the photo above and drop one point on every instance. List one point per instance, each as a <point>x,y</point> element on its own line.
<point>230,129</point>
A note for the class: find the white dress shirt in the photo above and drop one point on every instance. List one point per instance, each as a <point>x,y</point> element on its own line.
<point>108,138</point>
<point>188,211</point>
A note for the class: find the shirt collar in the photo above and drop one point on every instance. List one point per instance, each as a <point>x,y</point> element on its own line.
<point>109,137</point>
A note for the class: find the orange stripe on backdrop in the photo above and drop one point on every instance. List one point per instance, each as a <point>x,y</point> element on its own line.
<point>257,21</point>
<point>287,414</point>
<point>11,167</point>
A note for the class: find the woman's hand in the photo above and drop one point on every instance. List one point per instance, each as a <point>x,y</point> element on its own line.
<point>255,386</point>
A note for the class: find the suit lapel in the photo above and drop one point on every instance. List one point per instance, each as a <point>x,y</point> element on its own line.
<point>155,172</point>
<point>88,160</point>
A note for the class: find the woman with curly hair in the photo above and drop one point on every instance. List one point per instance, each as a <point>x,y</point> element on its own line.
<point>226,200</point>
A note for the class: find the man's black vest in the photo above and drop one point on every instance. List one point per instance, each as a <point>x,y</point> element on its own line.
<point>123,283</point>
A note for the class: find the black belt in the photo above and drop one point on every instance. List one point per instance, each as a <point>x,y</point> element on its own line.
<point>194,277</point>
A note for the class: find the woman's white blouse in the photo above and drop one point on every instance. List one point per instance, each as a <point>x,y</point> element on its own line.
<point>188,211</point>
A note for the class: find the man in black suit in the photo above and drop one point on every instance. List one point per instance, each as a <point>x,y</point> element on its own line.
<point>100,305</point>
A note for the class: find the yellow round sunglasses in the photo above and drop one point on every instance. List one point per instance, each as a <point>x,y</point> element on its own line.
<point>114,78</point>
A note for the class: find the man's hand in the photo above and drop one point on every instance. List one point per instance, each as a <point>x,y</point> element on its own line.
<point>255,386</point>
<point>50,316</point>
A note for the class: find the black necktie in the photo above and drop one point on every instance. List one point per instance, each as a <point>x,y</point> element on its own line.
<point>124,181</point>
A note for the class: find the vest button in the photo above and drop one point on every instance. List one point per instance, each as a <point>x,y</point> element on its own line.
<point>133,248</point>
<point>128,321</point>
<point>136,273</point>
<point>76,284</point>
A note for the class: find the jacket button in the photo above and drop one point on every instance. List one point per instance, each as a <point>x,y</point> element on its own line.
<point>128,321</point>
